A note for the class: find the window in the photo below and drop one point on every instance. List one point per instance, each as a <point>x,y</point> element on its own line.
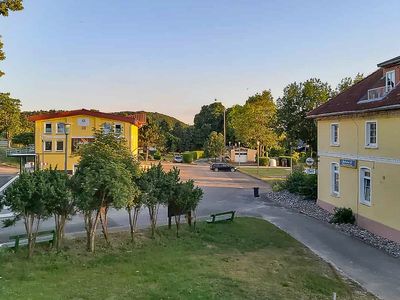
<point>335,134</point>
<point>61,128</point>
<point>107,128</point>
<point>118,128</point>
<point>48,145</point>
<point>47,128</point>
<point>60,146</point>
<point>390,80</point>
<point>371,134</point>
<point>365,186</point>
<point>335,179</point>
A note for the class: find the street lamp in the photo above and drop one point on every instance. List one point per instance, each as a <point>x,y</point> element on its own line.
<point>239,153</point>
<point>67,128</point>
<point>258,157</point>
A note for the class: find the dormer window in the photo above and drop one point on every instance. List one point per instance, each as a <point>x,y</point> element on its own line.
<point>390,80</point>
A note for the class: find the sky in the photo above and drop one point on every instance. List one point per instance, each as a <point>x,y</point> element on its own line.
<point>175,56</point>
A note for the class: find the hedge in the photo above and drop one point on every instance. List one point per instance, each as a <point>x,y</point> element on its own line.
<point>264,161</point>
<point>187,157</point>
<point>198,154</point>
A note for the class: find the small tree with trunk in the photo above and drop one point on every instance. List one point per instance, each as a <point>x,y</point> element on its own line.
<point>214,146</point>
<point>153,185</point>
<point>59,201</point>
<point>25,197</point>
<point>103,179</point>
<point>186,198</point>
<point>133,206</point>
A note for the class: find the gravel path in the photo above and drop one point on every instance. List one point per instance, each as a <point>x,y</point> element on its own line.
<point>310,208</point>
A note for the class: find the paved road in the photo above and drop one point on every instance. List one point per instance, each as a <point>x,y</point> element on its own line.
<point>373,269</point>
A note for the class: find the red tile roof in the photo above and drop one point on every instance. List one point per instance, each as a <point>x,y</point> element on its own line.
<point>86,112</point>
<point>347,102</point>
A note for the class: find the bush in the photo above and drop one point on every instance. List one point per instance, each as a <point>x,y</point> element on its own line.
<point>187,157</point>
<point>343,215</point>
<point>303,184</point>
<point>264,161</point>
<point>157,155</point>
<point>278,186</point>
<point>198,154</point>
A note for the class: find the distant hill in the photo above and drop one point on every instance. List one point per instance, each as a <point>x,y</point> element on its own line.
<point>157,117</point>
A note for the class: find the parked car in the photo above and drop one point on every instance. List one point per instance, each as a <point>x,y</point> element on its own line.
<point>222,167</point>
<point>178,158</point>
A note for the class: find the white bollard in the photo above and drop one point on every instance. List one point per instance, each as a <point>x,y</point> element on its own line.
<point>334,296</point>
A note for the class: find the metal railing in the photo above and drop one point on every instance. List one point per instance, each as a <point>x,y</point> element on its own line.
<point>20,151</point>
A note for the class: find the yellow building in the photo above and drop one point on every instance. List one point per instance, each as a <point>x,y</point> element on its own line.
<point>359,151</point>
<point>58,135</point>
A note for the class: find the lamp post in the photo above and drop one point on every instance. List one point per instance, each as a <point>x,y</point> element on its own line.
<point>67,128</point>
<point>258,157</point>
<point>224,127</point>
<point>239,153</point>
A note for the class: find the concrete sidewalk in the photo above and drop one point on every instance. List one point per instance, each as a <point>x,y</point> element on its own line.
<point>375,270</point>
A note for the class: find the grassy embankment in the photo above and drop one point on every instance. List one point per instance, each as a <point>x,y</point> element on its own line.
<point>8,161</point>
<point>267,174</point>
<point>246,259</point>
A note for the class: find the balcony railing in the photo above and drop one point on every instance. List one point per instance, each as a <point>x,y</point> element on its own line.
<point>30,150</point>
<point>376,93</point>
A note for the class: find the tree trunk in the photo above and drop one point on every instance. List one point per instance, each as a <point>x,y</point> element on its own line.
<point>147,153</point>
<point>60,225</point>
<point>177,222</point>
<point>131,223</point>
<point>91,226</point>
<point>104,222</point>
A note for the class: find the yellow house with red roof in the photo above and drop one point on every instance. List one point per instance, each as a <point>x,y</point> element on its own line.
<point>359,151</point>
<point>58,135</point>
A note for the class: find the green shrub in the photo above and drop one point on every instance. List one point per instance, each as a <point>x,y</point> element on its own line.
<point>199,153</point>
<point>278,186</point>
<point>303,184</point>
<point>264,161</point>
<point>343,215</point>
<point>157,155</point>
<point>187,157</point>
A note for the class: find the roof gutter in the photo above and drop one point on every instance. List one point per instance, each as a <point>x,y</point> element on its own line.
<point>390,107</point>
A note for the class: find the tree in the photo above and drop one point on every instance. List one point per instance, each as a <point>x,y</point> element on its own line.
<point>59,201</point>
<point>134,204</point>
<point>186,197</point>
<point>210,118</point>
<point>347,82</point>
<point>9,116</point>
<point>214,145</point>
<point>255,121</point>
<point>26,198</point>
<point>5,7</point>
<point>103,178</point>
<point>154,192</point>
<point>297,100</point>
<point>24,138</point>
<point>150,136</point>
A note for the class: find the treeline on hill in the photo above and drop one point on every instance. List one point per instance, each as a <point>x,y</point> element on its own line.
<point>278,124</point>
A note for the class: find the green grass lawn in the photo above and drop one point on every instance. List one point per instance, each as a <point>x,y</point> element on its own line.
<point>246,259</point>
<point>8,161</point>
<point>266,173</point>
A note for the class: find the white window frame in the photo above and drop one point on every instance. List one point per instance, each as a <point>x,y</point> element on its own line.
<point>387,87</point>
<point>45,127</point>
<point>368,136</point>
<point>104,128</point>
<point>115,128</point>
<point>361,186</point>
<point>44,145</point>
<point>63,143</point>
<point>60,132</point>
<point>333,142</point>
<point>333,179</point>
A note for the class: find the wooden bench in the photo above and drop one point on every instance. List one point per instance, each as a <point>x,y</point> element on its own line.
<point>221,217</point>
<point>48,236</point>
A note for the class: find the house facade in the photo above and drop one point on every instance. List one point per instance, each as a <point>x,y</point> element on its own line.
<point>359,151</point>
<point>58,135</point>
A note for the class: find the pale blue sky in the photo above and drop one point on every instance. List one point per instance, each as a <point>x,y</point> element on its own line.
<point>174,56</point>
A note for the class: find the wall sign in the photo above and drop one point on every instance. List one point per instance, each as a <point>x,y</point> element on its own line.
<point>83,122</point>
<point>349,163</point>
